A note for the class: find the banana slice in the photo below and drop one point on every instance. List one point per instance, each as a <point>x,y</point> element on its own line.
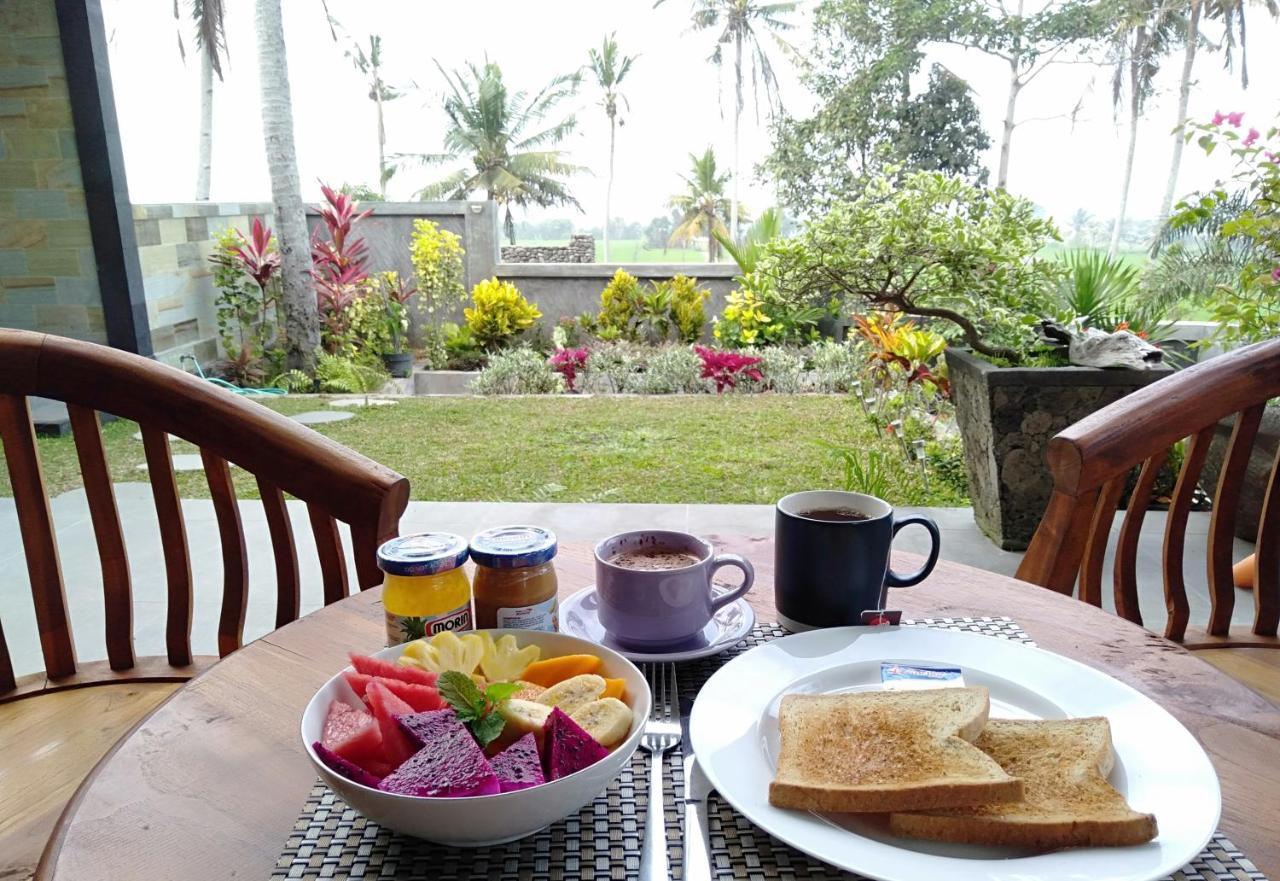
<point>574,692</point>
<point>523,716</point>
<point>607,720</point>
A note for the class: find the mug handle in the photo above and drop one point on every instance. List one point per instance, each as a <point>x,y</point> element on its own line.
<point>748,578</point>
<point>893,579</point>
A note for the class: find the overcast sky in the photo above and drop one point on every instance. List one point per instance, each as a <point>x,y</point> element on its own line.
<point>673,91</point>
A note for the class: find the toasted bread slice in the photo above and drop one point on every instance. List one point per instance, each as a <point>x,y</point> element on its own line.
<point>1068,803</point>
<point>879,751</point>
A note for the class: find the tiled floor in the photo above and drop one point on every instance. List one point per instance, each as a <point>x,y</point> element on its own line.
<point>961,542</point>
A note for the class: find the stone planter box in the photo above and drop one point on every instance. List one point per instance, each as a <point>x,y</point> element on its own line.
<point>1249,510</point>
<point>443,382</point>
<point>1006,417</point>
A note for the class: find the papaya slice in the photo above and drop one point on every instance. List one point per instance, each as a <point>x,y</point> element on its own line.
<point>552,670</point>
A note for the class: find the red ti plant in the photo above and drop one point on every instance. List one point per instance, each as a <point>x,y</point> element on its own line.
<point>338,264</point>
<point>567,362</point>
<point>257,257</point>
<point>725,368</point>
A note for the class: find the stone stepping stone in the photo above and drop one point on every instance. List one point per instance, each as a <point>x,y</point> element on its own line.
<point>319,417</point>
<point>137,435</point>
<point>183,462</point>
<point>361,402</point>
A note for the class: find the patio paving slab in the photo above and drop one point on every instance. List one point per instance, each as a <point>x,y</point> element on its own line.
<point>961,542</point>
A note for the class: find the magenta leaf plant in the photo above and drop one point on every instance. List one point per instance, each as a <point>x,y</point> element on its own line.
<point>726,368</point>
<point>567,362</point>
<point>258,256</point>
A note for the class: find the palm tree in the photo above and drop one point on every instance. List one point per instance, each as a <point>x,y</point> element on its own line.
<point>702,206</point>
<point>741,24</point>
<point>370,64</point>
<point>301,322</point>
<point>747,253</point>
<point>609,69</point>
<point>211,42</point>
<point>1144,32</point>
<point>1232,15</point>
<point>505,141</point>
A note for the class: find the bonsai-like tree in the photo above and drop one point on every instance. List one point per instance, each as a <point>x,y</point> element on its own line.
<point>931,246</point>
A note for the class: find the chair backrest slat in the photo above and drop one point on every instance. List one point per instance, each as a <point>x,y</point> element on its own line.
<point>365,541</point>
<point>173,540</point>
<point>7,680</point>
<point>117,589</point>
<point>235,563</point>
<point>1175,534</point>
<point>1222,524</point>
<point>1095,549</point>
<point>288,592</point>
<point>35,523</point>
<point>1266,583</point>
<point>333,568</point>
<point>1125,573</point>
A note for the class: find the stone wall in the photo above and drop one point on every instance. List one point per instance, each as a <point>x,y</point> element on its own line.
<point>174,245</point>
<point>581,249</point>
<point>48,274</point>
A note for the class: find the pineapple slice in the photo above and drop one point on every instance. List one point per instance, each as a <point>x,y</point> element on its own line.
<point>446,651</point>
<point>607,720</point>
<point>504,661</point>
<point>574,692</point>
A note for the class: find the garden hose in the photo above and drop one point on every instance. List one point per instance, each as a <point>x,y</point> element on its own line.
<point>231,387</point>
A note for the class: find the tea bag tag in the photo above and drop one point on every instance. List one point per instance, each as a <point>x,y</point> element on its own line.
<point>881,617</point>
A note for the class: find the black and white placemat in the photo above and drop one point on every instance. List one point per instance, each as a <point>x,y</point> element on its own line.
<point>602,841</point>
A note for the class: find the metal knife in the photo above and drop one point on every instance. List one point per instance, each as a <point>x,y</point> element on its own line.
<point>697,840</point>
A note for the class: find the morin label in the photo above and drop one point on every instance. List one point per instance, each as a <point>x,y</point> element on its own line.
<point>406,628</point>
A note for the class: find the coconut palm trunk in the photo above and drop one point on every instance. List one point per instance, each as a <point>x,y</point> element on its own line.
<point>1184,96</point>
<point>1135,107</point>
<point>301,324</point>
<point>737,118</point>
<point>204,151</point>
<point>382,144</point>
<point>608,187</point>
<point>1010,122</point>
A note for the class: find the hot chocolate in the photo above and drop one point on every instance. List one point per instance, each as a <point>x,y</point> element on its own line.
<point>654,559</point>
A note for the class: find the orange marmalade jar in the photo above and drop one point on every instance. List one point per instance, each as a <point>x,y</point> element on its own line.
<point>515,578</point>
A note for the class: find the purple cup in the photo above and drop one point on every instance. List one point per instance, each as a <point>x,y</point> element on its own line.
<point>660,607</point>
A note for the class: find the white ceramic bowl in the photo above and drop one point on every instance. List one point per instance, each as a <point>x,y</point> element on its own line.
<point>487,819</point>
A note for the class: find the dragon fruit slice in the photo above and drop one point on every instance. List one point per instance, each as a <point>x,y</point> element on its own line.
<point>341,766</point>
<point>450,763</point>
<point>569,748</point>
<point>518,766</point>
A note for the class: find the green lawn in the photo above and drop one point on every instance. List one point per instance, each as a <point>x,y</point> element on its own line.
<point>634,251</point>
<point>729,449</point>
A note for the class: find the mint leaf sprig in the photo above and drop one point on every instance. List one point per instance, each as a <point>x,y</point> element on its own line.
<point>473,707</point>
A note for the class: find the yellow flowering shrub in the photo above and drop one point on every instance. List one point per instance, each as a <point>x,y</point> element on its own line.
<point>436,255</point>
<point>498,313</point>
<point>744,321</point>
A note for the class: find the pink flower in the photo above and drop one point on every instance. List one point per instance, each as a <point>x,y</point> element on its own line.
<point>723,368</point>
<point>567,362</point>
<point>1271,157</point>
<point>1253,135</point>
<point>1219,118</point>
<point>1275,275</point>
<point>1235,118</point>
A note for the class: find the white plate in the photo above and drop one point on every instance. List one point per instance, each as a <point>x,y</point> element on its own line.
<point>580,617</point>
<point>1160,768</point>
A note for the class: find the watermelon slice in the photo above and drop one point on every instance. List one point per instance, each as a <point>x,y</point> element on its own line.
<point>569,748</point>
<point>518,766</point>
<point>420,697</point>
<point>354,735</point>
<point>450,763</point>
<point>397,747</point>
<point>389,670</point>
<point>358,681</point>
<point>342,767</point>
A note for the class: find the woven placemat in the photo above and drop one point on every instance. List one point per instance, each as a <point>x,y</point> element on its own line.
<point>602,841</point>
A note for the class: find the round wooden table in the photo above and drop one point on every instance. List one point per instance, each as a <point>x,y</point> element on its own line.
<point>209,785</point>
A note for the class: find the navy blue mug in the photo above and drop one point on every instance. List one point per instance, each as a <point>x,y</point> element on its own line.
<point>831,557</point>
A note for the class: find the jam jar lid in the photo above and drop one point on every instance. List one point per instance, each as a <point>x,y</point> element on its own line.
<point>513,547</point>
<point>426,553</point>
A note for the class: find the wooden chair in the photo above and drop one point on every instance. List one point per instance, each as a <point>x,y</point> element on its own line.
<point>55,727</point>
<point>1091,461</point>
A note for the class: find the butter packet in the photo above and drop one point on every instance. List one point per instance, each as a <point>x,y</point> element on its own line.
<point>914,677</point>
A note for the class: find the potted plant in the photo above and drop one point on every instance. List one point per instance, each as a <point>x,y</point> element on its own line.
<point>1239,220</point>
<point>965,260</point>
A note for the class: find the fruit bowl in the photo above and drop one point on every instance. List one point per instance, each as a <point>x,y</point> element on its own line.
<point>478,821</point>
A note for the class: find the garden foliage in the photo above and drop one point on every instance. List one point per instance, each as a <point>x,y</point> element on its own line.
<point>498,313</point>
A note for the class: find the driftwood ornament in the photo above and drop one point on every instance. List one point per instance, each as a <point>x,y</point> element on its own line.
<point>1091,347</point>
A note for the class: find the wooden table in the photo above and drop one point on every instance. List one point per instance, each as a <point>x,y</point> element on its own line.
<point>209,785</point>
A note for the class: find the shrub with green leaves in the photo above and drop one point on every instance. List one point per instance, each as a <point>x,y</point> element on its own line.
<point>836,366</point>
<point>671,370</point>
<point>519,371</point>
<point>931,246</point>
<point>499,313</point>
<point>687,302</point>
<point>436,255</point>
<point>619,306</point>
<point>784,370</point>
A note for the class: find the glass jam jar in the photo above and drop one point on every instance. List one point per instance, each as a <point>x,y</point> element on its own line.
<point>515,579</point>
<point>425,589</point>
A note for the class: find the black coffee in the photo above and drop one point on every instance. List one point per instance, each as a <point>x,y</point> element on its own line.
<point>654,558</point>
<point>835,515</point>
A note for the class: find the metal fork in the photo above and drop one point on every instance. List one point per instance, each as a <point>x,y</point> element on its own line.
<point>661,733</point>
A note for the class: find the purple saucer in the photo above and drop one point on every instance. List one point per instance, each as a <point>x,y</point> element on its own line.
<point>579,617</point>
